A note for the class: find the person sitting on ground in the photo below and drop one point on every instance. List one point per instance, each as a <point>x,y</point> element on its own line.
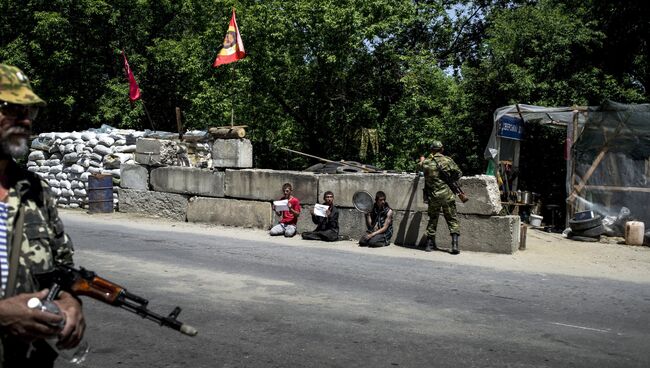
<point>289,218</point>
<point>327,228</point>
<point>379,224</point>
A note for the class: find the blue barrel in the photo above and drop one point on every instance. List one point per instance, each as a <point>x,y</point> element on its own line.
<point>100,193</point>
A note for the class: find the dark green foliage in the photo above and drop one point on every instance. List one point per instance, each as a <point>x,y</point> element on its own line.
<point>319,71</point>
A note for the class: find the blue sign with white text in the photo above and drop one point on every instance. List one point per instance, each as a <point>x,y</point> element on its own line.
<point>510,127</point>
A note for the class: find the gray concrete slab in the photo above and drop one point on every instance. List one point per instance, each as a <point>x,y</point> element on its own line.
<point>147,151</point>
<point>479,233</point>
<point>232,153</point>
<point>134,177</point>
<point>266,185</point>
<point>484,196</point>
<point>159,204</point>
<point>230,212</point>
<point>188,180</point>
<point>403,191</point>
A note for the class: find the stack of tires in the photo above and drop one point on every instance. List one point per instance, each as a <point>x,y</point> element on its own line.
<point>588,230</point>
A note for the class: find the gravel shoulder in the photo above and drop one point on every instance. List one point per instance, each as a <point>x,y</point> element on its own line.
<point>545,253</point>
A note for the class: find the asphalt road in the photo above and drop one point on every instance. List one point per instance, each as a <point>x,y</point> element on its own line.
<point>264,304</point>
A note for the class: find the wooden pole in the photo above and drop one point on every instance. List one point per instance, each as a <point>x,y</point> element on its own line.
<point>148,116</point>
<point>179,123</point>
<point>232,106</point>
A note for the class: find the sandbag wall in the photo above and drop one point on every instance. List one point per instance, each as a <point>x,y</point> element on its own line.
<point>66,160</point>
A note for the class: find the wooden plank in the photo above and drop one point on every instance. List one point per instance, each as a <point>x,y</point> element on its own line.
<point>590,172</point>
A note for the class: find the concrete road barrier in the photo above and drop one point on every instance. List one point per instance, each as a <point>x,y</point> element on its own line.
<point>188,180</point>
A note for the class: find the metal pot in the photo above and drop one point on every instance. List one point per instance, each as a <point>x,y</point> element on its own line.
<point>527,197</point>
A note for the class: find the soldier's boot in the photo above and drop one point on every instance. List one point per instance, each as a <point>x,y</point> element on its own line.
<point>430,245</point>
<point>454,244</point>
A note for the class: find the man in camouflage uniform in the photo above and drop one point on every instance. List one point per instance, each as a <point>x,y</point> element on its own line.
<point>439,196</point>
<point>32,240</point>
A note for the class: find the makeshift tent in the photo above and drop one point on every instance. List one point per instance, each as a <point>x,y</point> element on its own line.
<point>608,163</point>
<point>611,161</point>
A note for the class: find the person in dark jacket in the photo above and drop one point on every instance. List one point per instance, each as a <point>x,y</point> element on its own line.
<point>379,223</point>
<point>327,228</point>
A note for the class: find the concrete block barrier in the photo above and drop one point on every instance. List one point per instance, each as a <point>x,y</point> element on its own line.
<point>230,212</point>
<point>157,204</point>
<point>148,151</point>
<point>232,153</point>
<point>188,180</point>
<point>492,234</point>
<point>134,177</point>
<point>266,185</point>
<point>403,191</point>
<point>484,196</point>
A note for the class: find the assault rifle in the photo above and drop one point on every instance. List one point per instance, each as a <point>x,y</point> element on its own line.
<point>84,282</point>
<point>452,184</point>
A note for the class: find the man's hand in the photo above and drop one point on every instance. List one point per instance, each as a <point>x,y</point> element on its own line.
<point>28,324</point>
<point>75,324</point>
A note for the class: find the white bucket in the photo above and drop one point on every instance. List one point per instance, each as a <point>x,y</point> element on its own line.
<point>634,232</point>
<point>535,220</point>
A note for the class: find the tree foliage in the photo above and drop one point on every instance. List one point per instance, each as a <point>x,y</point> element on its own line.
<point>320,71</point>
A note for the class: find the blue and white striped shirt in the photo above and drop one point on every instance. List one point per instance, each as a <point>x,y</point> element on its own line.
<point>4,254</point>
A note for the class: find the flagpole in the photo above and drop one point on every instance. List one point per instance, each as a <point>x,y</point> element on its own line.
<point>232,106</point>
<point>148,116</point>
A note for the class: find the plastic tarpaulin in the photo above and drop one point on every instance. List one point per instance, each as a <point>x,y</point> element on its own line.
<point>612,161</point>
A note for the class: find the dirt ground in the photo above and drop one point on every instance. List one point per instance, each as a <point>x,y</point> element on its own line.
<point>545,253</point>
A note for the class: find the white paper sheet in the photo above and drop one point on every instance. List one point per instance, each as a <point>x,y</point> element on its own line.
<point>321,210</point>
<point>281,205</point>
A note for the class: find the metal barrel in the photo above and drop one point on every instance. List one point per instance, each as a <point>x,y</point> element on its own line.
<point>100,193</point>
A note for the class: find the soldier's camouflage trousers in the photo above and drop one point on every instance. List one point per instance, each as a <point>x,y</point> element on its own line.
<point>448,209</point>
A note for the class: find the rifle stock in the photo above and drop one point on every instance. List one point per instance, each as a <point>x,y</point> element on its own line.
<point>82,282</point>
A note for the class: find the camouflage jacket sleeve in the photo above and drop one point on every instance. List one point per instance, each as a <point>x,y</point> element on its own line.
<point>451,168</point>
<point>43,240</point>
<point>60,242</point>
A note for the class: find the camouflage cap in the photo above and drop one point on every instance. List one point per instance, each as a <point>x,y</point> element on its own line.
<point>436,145</point>
<point>15,87</point>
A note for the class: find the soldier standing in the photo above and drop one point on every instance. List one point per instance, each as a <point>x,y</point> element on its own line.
<point>32,240</point>
<point>438,167</point>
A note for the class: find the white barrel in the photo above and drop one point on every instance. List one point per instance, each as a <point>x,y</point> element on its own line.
<point>634,231</point>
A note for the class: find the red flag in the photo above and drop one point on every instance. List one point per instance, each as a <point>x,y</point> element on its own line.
<point>134,90</point>
<point>233,46</point>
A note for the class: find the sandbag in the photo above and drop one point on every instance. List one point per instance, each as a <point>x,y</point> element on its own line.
<point>36,155</point>
<point>101,150</point>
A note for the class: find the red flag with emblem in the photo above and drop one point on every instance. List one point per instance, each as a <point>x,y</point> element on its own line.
<point>233,46</point>
<point>134,90</point>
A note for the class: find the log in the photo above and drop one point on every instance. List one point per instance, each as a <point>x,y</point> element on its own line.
<point>227,132</point>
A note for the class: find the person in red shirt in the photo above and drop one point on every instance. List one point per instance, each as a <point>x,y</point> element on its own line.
<point>289,218</point>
